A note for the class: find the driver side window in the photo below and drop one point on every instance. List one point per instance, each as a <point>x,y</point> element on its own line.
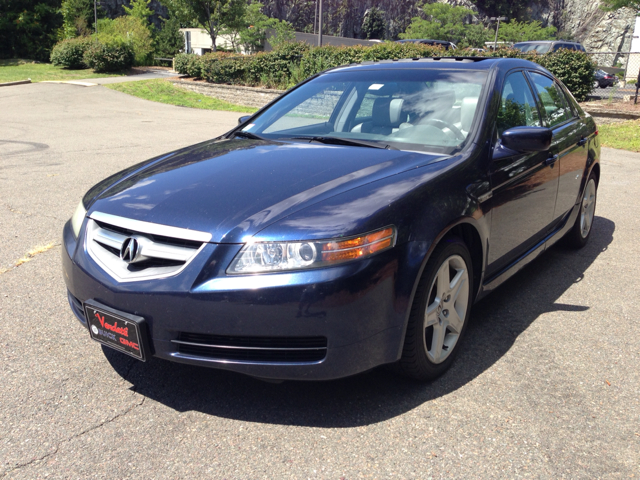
<point>517,106</point>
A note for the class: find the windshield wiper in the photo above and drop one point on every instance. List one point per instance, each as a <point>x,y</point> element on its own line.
<point>344,141</point>
<point>250,135</point>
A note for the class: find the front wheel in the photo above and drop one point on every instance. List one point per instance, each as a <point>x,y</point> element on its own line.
<point>579,234</point>
<point>440,312</point>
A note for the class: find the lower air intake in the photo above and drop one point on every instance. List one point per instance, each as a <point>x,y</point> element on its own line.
<point>253,349</point>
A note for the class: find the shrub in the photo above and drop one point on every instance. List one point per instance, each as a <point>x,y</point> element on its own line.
<point>223,67</point>
<point>574,69</point>
<point>109,55</point>
<point>188,64</point>
<point>180,62</point>
<point>69,53</point>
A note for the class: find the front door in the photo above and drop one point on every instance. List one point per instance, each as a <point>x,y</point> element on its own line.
<point>524,187</point>
<point>569,141</point>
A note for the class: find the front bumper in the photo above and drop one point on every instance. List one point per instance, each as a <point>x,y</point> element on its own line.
<point>360,308</point>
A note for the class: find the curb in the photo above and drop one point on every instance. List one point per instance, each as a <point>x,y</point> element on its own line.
<point>268,91</point>
<point>606,113</point>
<point>72,82</point>
<point>19,82</point>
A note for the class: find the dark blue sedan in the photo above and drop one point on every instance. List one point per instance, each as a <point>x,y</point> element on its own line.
<point>349,224</point>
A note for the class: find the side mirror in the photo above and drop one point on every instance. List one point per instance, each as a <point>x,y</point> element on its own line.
<point>527,139</point>
<point>243,119</point>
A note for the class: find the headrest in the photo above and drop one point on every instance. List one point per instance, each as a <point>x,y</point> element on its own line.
<point>386,112</point>
<point>467,112</point>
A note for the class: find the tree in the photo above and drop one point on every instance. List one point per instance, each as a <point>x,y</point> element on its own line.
<point>254,32</point>
<point>373,23</point>
<point>139,9</point>
<point>77,18</point>
<point>131,30</point>
<point>169,40</point>
<point>515,31</point>
<point>284,33</point>
<point>211,15</point>
<point>616,4</point>
<point>28,28</point>
<point>444,22</point>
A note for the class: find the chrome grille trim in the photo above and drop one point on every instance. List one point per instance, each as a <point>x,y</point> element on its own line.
<point>152,228</point>
<point>286,349</point>
<point>161,259</point>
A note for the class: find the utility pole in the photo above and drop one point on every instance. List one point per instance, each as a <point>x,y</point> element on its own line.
<point>315,17</point>
<point>320,24</point>
<point>493,19</point>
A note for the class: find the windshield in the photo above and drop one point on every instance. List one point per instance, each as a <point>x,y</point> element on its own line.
<point>407,109</point>
<point>533,47</point>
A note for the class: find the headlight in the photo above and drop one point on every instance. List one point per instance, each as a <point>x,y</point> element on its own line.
<point>78,218</point>
<point>262,257</point>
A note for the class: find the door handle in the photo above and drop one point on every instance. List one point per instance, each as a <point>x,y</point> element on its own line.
<point>583,141</point>
<point>551,160</point>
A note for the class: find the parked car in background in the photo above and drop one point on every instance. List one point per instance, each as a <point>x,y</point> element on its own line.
<point>436,43</point>
<point>604,79</point>
<point>546,46</point>
<point>350,223</point>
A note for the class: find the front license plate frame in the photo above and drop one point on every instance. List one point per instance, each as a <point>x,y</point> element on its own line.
<point>118,330</point>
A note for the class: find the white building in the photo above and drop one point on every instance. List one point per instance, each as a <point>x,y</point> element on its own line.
<point>198,41</point>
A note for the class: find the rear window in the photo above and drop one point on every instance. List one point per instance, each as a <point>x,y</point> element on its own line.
<point>533,47</point>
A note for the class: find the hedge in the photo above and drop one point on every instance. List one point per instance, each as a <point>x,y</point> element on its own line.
<point>69,53</point>
<point>292,63</point>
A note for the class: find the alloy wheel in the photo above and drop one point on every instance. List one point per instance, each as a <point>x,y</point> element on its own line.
<point>588,208</point>
<point>446,309</point>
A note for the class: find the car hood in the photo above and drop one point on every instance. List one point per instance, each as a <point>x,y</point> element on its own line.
<point>235,188</point>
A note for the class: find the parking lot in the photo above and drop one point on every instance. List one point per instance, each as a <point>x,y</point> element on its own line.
<point>547,384</point>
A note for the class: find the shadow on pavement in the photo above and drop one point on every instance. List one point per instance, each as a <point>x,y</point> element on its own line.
<point>378,395</point>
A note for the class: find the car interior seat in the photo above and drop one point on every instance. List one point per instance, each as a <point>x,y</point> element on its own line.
<point>467,112</point>
<point>386,117</point>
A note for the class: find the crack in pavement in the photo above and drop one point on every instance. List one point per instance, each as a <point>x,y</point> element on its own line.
<point>30,255</point>
<point>76,436</point>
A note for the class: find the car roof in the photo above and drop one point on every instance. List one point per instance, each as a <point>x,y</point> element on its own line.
<point>444,42</point>
<point>455,63</point>
<point>545,41</point>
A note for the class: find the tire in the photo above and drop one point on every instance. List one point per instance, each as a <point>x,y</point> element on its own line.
<point>579,234</point>
<point>440,312</point>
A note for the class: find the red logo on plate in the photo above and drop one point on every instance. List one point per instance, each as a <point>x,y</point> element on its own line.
<point>114,328</point>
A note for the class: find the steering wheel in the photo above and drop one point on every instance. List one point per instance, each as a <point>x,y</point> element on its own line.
<point>441,124</point>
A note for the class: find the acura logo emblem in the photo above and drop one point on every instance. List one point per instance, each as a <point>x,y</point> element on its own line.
<point>129,250</point>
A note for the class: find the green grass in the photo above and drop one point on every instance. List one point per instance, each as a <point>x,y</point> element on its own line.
<point>165,92</point>
<point>624,135</point>
<point>16,69</point>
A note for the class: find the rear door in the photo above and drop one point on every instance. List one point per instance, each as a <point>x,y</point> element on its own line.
<point>524,187</point>
<point>569,140</point>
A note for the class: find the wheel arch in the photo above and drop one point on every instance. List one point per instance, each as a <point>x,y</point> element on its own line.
<point>468,230</point>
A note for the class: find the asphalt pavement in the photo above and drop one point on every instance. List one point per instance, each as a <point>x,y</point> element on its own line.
<point>547,385</point>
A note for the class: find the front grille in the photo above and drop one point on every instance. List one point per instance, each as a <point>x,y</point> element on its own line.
<point>253,349</point>
<point>158,254</point>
